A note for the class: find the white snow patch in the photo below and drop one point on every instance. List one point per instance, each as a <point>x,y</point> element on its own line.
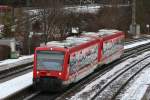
<point>15,85</point>
<point>138,88</point>
<point>135,44</point>
<point>10,61</point>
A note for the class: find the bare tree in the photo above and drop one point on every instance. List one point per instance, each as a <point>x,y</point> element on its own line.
<point>115,16</point>
<point>50,11</point>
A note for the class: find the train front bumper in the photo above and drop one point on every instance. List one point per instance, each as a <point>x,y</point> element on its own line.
<point>48,84</point>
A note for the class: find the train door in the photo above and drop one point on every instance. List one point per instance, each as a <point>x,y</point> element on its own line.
<point>73,67</point>
<point>106,51</point>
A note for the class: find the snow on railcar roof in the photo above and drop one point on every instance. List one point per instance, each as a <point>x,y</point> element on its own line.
<point>79,39</point>
<point>90,33</point>
<point>59,43</point>
<point>108,30</point>
<point>103,32</point>
<point>69,42</point>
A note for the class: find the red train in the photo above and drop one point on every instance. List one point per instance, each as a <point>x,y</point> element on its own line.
<point>60,63</point>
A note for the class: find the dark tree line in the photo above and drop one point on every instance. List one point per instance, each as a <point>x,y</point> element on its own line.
<point>54,22</point>
<point>143,13</point>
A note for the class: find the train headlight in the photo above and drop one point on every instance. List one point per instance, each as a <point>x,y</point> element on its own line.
<point>37,72</point>
<point>59,73</point>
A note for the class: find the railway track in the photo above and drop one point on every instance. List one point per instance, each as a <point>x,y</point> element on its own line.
<point>136,40</point>
<point>116,94</point>
<point>113,87</point>
<point>14,71</point>
<point>135,50</point>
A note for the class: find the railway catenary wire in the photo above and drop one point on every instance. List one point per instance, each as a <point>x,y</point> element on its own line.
<point>44,96</point>
<point>109,91</point>
<point>103,71</point>
<point>139,50</point>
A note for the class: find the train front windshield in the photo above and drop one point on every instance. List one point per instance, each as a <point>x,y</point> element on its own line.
<point>50,60</point>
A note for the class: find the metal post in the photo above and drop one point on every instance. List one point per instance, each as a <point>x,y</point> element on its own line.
<point>28,3</point>
<point>134,12</point>
<point>29,41</point>
<point>148,26</point>
<point>45,25</point>
<point>12,15</point>
<point>134,17</point>
<point>28,32</point>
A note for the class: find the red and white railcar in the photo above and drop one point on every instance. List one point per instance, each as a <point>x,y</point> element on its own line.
<point>60,63</point>
<point>112,44</point>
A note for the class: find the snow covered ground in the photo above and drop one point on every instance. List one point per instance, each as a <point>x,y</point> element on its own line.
<point>135,44</point>
<point>138,88</point>
<point>91,89</point>
<point>10,61</point>
<point>17,84</point>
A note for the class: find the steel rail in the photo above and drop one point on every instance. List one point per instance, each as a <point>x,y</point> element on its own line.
<point>125,84</point>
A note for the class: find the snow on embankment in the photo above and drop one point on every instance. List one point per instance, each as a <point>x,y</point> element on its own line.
<point>136,44</point>
<point>138,88</point>
<point>15,85</point>
<point>10,61</point>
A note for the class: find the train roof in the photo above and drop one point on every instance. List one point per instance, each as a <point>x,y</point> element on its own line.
<point>107,32</point>
<point>102,32</point>
<point>86,37</point>
<point>70,42</point>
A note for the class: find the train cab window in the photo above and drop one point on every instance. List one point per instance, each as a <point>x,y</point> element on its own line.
<point>50,60</point>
